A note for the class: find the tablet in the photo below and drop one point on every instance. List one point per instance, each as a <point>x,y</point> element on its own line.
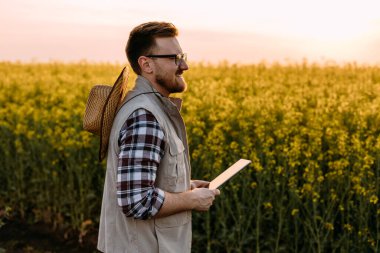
<point>228,173</point>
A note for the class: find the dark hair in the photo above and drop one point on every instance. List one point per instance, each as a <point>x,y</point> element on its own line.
<point>142,40</point>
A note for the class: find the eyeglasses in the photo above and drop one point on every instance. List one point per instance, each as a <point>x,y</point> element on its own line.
<point>178,58</point>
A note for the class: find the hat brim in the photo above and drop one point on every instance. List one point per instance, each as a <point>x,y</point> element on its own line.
<point>109,111</point>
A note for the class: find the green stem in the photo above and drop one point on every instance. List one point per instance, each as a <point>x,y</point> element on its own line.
<point>258,218</point>
<point>280,222</point>
<point>208,233</point>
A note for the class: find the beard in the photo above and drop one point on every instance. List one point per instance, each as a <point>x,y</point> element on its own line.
<point>171,83</point>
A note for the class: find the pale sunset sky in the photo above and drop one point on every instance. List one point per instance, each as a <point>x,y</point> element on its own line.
<point>239,31</point>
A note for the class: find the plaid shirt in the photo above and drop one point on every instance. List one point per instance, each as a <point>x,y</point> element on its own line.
<point>142,145</point>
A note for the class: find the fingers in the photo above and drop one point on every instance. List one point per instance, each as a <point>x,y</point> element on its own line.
<point>205,198</point>
<point>216,192</point>
<point>204,184</point>
<point>199,184</point>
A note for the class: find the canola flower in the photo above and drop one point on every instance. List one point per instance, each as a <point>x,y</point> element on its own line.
<point>312,133</point>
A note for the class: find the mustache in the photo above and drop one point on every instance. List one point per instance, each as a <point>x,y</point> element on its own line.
<point>179,72</point>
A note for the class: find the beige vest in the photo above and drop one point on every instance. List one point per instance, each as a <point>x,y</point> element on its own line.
<point>121,234</point>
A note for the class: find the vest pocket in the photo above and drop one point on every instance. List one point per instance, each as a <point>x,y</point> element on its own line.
<point>176,147</point>
<point>174,173</point>
<point>174,220</point>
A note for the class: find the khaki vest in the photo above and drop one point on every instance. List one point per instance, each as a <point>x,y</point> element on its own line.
<point>121,234</point>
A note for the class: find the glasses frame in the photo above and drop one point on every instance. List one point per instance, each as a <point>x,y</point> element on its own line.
<point>178,58</point>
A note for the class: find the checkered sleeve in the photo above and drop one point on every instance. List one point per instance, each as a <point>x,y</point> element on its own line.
<point>142,146</point>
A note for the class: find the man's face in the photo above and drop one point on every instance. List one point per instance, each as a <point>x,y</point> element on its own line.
<point>168,74</point>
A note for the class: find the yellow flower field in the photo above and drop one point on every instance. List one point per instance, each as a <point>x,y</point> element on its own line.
<point>312,133</point>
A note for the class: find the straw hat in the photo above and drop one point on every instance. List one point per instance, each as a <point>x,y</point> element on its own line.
<point>101,108</point>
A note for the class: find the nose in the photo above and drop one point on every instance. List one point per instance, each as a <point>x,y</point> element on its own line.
<point>183,65</point>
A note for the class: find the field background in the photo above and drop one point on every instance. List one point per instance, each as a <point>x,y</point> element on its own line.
<point>311,131</point>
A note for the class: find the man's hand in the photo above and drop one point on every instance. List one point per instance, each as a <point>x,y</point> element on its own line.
<point>199,184</point>
<point>203,198</point>
<point>199,198</point>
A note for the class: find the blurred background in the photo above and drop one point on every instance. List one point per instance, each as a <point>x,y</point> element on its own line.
<point>239,31</point>
<point>292,85</point>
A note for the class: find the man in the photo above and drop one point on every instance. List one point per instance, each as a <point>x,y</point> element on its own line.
<point>148,195</point>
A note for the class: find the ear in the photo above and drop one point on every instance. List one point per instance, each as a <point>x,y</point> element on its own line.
<point>145,65</point>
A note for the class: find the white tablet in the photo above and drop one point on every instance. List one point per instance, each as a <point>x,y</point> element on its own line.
<point>228,173</point>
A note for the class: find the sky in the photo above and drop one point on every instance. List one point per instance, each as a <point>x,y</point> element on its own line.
<point>239,31</point>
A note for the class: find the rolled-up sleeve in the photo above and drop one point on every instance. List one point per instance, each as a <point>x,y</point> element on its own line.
<point>142,146</point>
